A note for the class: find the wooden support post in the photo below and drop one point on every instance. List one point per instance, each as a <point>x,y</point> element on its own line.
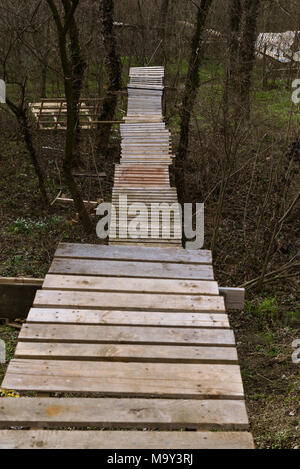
<point>234,297</point>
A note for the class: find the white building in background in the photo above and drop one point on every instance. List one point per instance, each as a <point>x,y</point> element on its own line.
<point>282,47</point>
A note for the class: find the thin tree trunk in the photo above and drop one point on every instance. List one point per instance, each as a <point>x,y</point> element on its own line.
<point>143,33</point>
<point>232,80</point>
<point>247,53</point>
<point>189,97</point>
<point>235,24</point>
<point>114,68</point>
<point>78,69</point>
<point>44,81</point>
<point>22,119</point>
<point>163,22</point>
<point>69,159</point>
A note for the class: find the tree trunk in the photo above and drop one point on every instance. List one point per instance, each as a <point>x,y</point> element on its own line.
<point>78,69</point>
<point>163,23</point>
<point>247,53</point>
<point>44,69</point>
<point>70,93</point>
<point>114,68</point>
<point>22,119</point>
<point>142,60</point>
<point>189,97</point>
<point>231,92</point>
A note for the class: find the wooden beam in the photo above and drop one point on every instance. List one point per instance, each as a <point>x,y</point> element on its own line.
<point>234,297</point>
<point>16,296</point>
<point>30,439</point>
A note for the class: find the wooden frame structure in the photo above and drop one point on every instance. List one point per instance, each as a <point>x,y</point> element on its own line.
<point>51,114</point>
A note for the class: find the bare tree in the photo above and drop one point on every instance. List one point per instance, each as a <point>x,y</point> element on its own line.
<point>14,73</point>
<point>189,95</point>
<point>114,68</point>
<point>231,92</point>
<point>64,27</point>
<point>247,53</point>
<point>163,15</point>
<point>78,69</point>
<point>20,111</point>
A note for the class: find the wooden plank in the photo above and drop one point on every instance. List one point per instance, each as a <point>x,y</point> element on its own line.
<point>124,413</point>
<point>16,297</point>
<point>94,251</point>
<point>137,301</point>
<point>142,126</point>
<point>47,439</point>
<point>234,297</point>
<point>33,282</point>
<point>127,318</point>
<point>170,380</point>
<point>125,335</point>
<point>122,197</point>
<point>127,284</point>
<point>154,242</point>
<point>136,191</point>
<point>158,243</point>
<point>127,353</point>
<point>132,269</point>
<point>65,200</point>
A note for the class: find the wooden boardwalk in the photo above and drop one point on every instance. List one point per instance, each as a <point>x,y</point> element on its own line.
<point>137,335</point>
<point>143,173</point>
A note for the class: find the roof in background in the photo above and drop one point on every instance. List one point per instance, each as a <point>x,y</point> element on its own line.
<point>282,47</point>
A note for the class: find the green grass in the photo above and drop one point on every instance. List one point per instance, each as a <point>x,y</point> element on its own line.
<point>262,309</point>
<point>267,310</point>
<point>34,227</point>
<point>277,104</point>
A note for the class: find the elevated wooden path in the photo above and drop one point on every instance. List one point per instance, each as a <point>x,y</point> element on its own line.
<point>136,336</point>
<point>143,173</point>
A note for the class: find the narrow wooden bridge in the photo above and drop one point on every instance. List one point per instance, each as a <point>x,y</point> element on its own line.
<point>134,333</point>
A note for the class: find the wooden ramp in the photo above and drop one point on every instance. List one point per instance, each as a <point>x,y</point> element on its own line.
<point>125,338</point>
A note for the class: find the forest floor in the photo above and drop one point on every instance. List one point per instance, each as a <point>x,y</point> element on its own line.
<point>269,324</point>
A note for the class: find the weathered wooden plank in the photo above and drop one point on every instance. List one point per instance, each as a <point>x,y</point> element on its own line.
<point>16,296</point>
<point>93,251</point>
<point>138,301</point>
<point>164,190</point>
<point>131,269</point>
<point>125,334</point>
<point>142,126</point>
<point>123,284</point>
<point>180,380</point>
<point>124,413</point>
<point>138,242</point>
<point>48,439</point>
<point>234,297</point>
<point>147,198</point>
<point>128,318</point>
<point>146,243</point>
<point>31,282</point>
<point>126,353</point>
